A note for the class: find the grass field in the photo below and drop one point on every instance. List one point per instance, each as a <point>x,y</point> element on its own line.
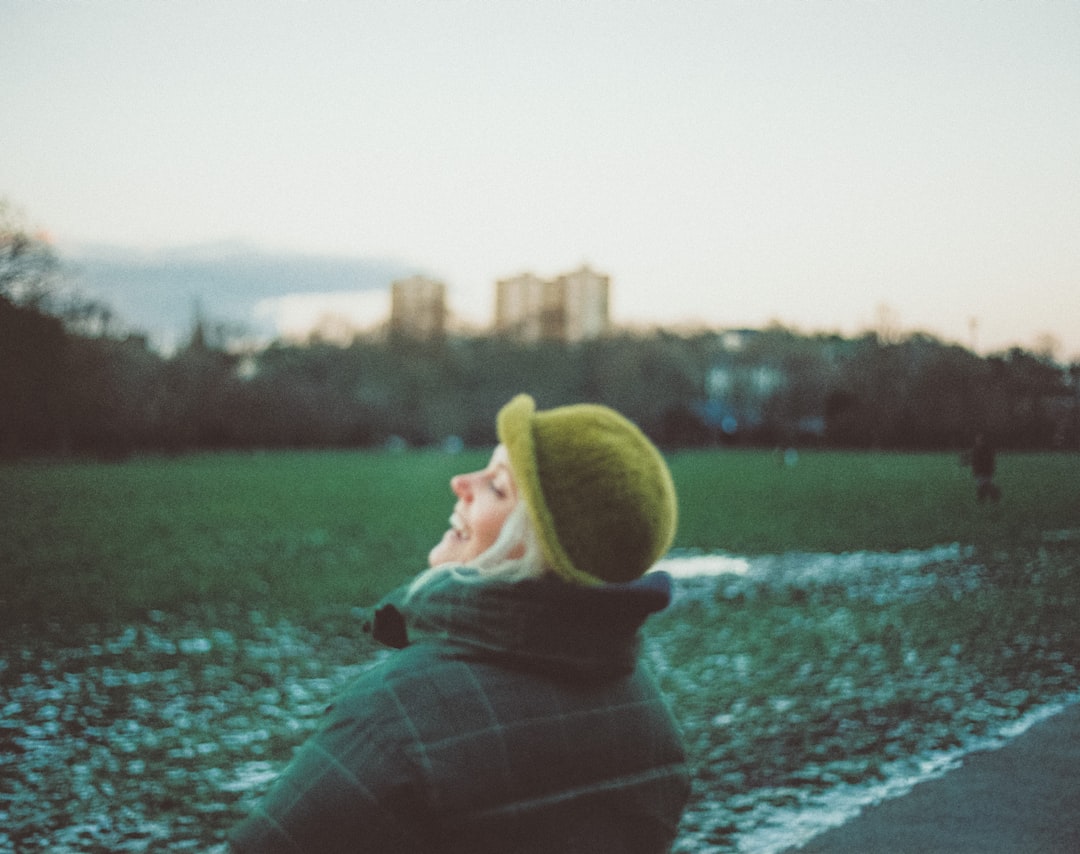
<point>296,531</point>
<point>749,503</point>
<point>173,628</point>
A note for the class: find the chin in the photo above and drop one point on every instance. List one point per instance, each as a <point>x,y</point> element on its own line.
<point>451,549</point>
<point>439,557</point>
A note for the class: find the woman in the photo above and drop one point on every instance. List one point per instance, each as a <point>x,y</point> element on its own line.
<point>516,715</point>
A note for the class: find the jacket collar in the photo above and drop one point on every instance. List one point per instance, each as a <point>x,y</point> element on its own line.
<point>543,624</point>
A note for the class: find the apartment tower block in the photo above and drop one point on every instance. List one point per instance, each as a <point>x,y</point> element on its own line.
<point>571,307</point>
<point>418,308</point>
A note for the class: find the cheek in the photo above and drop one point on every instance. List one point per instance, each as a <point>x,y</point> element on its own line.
<point>489,528</point>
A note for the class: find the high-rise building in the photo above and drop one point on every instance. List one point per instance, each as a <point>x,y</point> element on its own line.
<point>418,308</point>
<point>572,307</point>
<point>585,304</point>
<point>527,307</point>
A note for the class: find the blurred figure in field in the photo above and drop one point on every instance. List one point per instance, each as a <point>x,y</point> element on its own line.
<point>983,465</point>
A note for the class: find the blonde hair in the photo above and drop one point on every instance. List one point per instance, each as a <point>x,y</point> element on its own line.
<point>496,562</point>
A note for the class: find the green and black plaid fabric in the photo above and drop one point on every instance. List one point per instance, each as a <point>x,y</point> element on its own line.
<point>517,719</point>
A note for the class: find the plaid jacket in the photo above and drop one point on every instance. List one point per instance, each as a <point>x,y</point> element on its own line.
<point>516,718</point>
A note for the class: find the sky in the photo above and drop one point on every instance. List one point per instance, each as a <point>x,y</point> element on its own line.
<point>830,166</point>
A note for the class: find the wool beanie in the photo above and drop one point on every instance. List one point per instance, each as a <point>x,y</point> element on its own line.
<point>598,491</point>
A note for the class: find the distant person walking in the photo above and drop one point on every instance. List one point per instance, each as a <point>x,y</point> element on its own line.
<point>516,714</point>
<point>983,465</point>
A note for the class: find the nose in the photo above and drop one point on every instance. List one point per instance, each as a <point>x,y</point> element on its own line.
<point>461,486</point>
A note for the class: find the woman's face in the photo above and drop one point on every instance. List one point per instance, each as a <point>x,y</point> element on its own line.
<point>485,499</point>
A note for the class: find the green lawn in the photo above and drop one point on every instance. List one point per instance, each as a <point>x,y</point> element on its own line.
<point>197,612</point>
<point>313,529</point>
<point>749,502</point>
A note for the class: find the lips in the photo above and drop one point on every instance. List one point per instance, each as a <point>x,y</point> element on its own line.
<point>458,527</point>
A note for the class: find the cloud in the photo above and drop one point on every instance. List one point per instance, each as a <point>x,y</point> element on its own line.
<point>261,292</point>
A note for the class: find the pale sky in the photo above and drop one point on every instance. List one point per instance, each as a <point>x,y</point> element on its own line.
<point>820,164</point>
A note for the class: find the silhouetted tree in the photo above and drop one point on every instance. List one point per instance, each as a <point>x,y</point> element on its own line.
<point>71,380</point>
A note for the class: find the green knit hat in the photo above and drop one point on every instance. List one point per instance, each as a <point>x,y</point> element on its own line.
<point>598,491</point>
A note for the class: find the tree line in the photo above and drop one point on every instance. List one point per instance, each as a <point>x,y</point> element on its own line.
<point>70,383</point>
